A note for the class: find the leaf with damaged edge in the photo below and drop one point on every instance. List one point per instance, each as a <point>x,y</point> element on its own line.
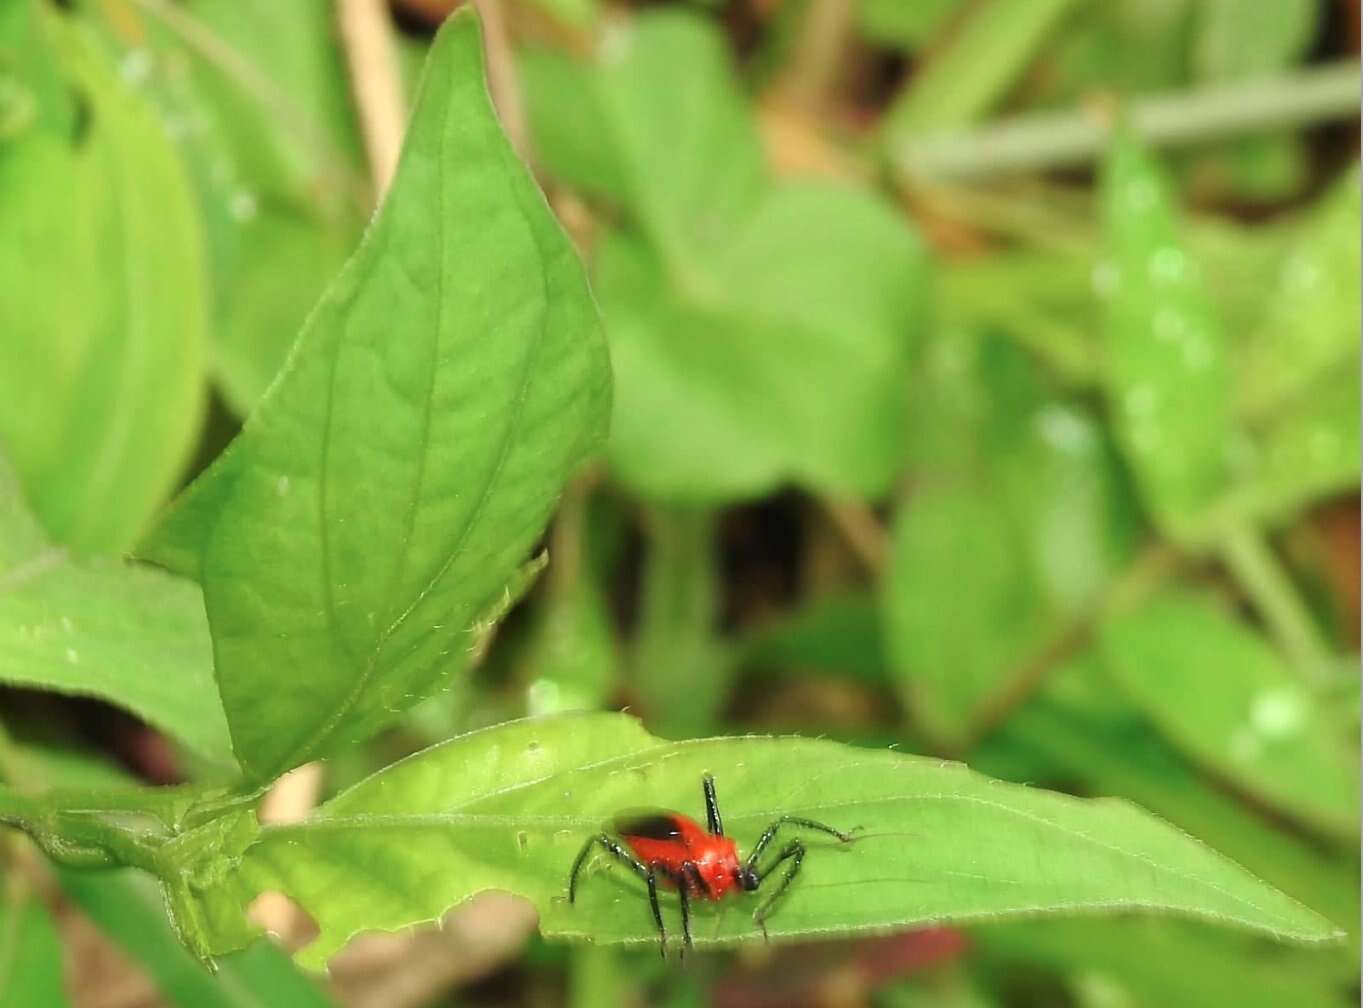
<point>509,807</point>
<point>383,495</point>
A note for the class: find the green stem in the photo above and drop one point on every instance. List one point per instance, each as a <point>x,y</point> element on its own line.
<point>1048,140</point>
<point>980,64</point>
<point>678,667</point>
<point>1260,574</point>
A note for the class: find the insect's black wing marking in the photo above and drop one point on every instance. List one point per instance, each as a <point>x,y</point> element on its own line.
<point>647,825</point>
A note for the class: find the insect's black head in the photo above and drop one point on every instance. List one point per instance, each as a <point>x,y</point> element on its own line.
<point>747,879</point>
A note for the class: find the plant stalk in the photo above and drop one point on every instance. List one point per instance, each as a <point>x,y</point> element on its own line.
<point>1051,140</point>
<point>1261,575</point>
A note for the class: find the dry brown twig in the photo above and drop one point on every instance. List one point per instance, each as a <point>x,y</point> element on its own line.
<point>371,55</point>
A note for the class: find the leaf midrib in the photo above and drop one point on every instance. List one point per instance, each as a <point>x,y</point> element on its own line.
<point>445,820</point>
<point>369,665</point>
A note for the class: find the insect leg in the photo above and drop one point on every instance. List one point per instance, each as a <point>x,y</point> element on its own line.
<point>615,848</point>
<point>794,852</point>
<point>712,807</point>
<point>690,877</point>
<point>786,820</point>
<point>652,877</point>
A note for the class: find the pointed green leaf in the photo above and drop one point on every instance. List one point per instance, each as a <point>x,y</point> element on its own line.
<point>510,807</point>
<point>1083,731</point>
<point>385,492</point>
<point>105,309</point>
<point>779,352</point>
<point>1168,374</point>
<point>1313,450</point>
<point>1312,318</point>
<point>759,331</point>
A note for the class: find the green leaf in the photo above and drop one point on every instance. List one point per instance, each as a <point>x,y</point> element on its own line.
<point>1311,452</point>
<point>759,331</point>
<point>1311,321</point>
<point>65,626</point>
<point>275,83</point>
<point>30,955</point>
<point>509,808</point>
<point>1080,731</point>
<point>680,669</point>
<point>265,119</point>
<point>962,604</point>
<point>663,103</point>
<point>100,393</point>
<point>383,495</point>
<point>568,119</point>
<point>1019,523</point>
<point>782,356</point>
<point>1168,374</point>
<point>572,651</point>
<point>32,93</point>
<point>1237,39</point>
<point>1299,382</point>
<point>1086,735</point>
<point>256,98</point>
<point>1225,697</point>
<point>1125,46</point>
<point>284,260</point>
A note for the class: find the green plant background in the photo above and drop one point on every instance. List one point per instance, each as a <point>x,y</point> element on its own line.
<point>822,395</point>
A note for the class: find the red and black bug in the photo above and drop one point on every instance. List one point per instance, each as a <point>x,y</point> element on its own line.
<point>670,849</point>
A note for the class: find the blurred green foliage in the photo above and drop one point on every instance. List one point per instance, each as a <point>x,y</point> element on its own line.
<point>1043,471</point>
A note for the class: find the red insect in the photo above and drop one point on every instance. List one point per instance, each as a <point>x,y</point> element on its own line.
<point>670,849</point>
